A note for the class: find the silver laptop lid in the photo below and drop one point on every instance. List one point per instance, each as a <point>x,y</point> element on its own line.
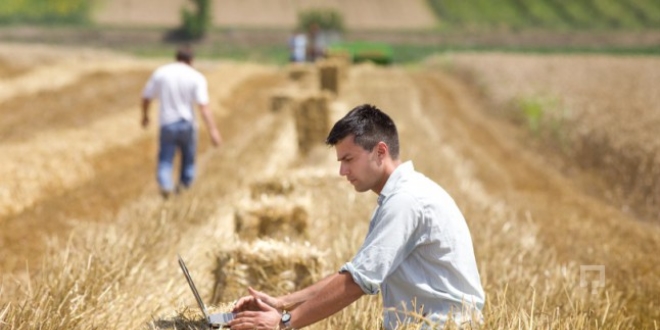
<point>194,289</point>
<point>215,321</point>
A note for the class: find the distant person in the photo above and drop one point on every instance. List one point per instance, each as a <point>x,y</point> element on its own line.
<point>418,251</point>
<point>315,43</point>
<point>298,47</point>
<point>179,87</point>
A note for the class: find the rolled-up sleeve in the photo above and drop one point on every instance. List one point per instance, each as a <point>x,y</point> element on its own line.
<point>367,285</point>
<point>201,91</point>
<point>389,240</point>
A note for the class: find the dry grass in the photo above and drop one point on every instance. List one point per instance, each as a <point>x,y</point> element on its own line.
<point>532,229</point>
<point>600,111</point>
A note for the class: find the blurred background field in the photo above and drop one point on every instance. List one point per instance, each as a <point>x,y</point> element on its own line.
<point>258,30</point>
<point>539,117</point>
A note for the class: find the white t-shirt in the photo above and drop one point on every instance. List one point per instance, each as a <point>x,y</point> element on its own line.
<point>299,47</point>
<point>418,251</point>
<point>178,86</point>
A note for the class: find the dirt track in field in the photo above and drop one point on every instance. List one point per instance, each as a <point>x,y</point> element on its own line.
<point>53,182</point>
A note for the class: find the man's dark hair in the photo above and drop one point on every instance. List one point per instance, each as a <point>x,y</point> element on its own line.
<point>184,54</point>
<point>369,125</point>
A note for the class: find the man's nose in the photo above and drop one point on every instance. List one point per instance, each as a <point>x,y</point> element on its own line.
<point>343,170</point>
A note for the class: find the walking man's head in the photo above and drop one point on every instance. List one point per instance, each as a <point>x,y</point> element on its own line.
<point>185,54</point>
<point>367,146</point>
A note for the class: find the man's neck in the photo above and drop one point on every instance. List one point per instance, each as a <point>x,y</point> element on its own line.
<point>388,168</point>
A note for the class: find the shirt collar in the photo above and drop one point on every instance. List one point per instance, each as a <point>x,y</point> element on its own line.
<point>394,180</point>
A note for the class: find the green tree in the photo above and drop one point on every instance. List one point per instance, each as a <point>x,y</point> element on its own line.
<point>195,23</point>
<point>325,19</point>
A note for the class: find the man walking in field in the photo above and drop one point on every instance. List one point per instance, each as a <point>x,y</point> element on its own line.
<point>179,87</point>
<point>418,251</point>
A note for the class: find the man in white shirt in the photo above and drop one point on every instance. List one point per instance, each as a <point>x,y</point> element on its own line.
<point>298,46</point>
<point>418,251</point>
<point>179,87</point>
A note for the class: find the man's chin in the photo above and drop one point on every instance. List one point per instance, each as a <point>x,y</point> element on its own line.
<point>360,189</point>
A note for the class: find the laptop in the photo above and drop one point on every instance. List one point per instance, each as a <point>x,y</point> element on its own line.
<point>215,321</point>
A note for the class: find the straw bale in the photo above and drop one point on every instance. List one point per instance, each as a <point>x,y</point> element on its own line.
<point>312,121</point>
<point>329,76</point>
<point>332,73</point>
<point>342,57</point>
<point>287,99</point>
<point>343,63</point>
<point>281,101</point>
<point>276,267</point>
<point>270,187</point>
<point>304,75</point>
<point>274,218</point>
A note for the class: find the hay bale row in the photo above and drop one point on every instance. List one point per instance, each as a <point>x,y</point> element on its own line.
<point>275,267</point>
<point>278,267</point>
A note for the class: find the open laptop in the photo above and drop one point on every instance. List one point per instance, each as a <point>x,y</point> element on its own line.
<point>215,321</point>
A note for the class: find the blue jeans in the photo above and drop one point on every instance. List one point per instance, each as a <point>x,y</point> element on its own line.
<point>182,136</point>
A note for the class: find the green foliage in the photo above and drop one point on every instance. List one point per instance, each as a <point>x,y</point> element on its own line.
<point>547,14</point>
<point>196,23</point>
<point>45,11</point>
<point>378,53</point>
<point>325,19</point>
<point>545,117</point>
<point>532,110</point>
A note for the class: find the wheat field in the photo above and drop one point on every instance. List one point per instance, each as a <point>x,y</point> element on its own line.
<point>88,243</point>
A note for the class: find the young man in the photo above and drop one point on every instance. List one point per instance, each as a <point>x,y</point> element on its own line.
<point>179,87</point>
<point>418,250</point>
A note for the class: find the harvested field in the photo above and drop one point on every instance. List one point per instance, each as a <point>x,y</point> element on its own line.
<point>600,112</point>
<point>87,240</point>
<point>364,14</point>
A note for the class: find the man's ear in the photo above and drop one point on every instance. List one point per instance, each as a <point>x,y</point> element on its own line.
<point>382,149</point>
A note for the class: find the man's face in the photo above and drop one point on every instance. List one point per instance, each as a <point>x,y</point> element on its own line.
<point>361,167</point>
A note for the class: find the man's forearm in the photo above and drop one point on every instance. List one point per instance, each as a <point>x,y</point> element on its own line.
<point>207,116</point>
<point>145,111</point>
<point>338,292</point>
<point>293,300</point>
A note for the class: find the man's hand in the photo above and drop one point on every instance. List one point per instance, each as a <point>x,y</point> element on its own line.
<point>265,317</point>
<point>216,138</point>
<point>249,303</point>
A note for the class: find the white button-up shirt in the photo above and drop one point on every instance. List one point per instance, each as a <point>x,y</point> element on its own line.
<point>418,253</point>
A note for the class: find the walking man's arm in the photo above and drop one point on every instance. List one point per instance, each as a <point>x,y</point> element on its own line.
<point>145,111</point>
<point>207,116</point>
